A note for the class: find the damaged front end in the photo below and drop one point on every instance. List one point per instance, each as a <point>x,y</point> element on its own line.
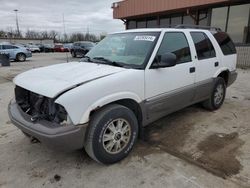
<point>40,107</point>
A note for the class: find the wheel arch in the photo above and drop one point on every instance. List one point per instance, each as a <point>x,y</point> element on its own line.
<point>223,73</point>
<point>20,53</point>
<point>129,100</point>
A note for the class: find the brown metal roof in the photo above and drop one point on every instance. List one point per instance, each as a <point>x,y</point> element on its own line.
<point>131,8</point>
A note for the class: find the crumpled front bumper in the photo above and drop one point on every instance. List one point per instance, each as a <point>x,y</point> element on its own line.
<point>69,137</point>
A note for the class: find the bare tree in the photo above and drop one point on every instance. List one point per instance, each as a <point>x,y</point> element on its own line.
<point>32,34</point>
<point>53,35</point>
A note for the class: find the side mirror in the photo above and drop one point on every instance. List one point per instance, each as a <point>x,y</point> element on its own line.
<point>165,60</point>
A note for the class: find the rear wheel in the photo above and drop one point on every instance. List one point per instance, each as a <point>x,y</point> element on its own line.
<point>218,95</point>
<point>112,134</point>
<point>21,57</point>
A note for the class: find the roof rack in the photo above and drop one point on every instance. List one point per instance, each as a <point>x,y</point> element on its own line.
<point>184,26</point>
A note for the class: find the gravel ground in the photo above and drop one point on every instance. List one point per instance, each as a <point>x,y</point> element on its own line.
<point>190,148</point>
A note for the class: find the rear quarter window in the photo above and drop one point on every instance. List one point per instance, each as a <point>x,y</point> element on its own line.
<point>226,44</point>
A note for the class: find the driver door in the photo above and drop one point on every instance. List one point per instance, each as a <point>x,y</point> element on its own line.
<point>171,88</point>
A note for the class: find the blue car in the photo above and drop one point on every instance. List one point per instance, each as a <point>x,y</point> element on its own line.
<point>17,53</point>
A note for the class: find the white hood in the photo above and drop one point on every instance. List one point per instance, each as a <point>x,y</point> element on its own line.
<point>52,80</point>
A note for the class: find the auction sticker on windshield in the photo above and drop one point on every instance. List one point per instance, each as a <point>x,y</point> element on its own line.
<point>145,38</point>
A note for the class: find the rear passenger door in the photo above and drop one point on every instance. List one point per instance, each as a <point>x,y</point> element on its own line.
<point>206,63</point>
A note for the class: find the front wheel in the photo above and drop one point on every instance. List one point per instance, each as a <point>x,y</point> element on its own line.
<point>112,134</point>
<point>217,96</point>
<point>21,57</point>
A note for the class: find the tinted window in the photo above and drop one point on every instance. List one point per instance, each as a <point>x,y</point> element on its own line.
<point>219,18</point>
<point>203,45</point>
<point>6,47</point>
<point>176,21</point>
<point>141,24</point>
<point>238,23</point>
<point>131,24</point>
<point>188,20</point>
<point>175,43</point>
<point>152,23</point>
<point>164,22</point>
<point>203,18</point>
<point>226,44</point>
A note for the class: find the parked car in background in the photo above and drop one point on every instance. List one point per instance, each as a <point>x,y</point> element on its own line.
<point>46,47</point>
<point>60,48</point>
<point>68,46</point>
<point>34,48</point>
<point>81,48</point>
<point>16,52</point>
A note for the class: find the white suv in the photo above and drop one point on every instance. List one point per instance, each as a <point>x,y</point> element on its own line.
<point>126,82</point>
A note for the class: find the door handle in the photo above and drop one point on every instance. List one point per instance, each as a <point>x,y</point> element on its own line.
<point>216,64</point>
<point>192,69</point>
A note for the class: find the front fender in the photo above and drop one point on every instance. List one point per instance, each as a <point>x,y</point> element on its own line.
<point>107,100</point>
<point>80,101</point>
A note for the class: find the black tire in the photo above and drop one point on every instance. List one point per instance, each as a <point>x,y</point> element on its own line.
<point>73,54</point>
<point>21,57</point>
<point>212,103</point>
<point>99,123</point>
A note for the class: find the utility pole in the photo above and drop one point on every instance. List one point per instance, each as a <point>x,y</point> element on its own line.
<point>64,30</point>
<point>17,26</point>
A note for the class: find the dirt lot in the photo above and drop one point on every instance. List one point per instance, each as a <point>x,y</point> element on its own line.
<point>190,148</point>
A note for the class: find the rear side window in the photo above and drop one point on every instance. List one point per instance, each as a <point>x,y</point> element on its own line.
<point>226,44</point>
<point>175,42</point>
<point>203,45</point>
<point>7,47</point>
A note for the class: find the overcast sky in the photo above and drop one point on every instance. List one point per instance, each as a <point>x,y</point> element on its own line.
<point>79,15</point>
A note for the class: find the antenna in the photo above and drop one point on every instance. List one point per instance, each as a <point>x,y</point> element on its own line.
<point>64,30</point>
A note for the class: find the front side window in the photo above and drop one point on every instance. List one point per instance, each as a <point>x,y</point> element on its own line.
<point>7,47</point>
<point>129,49</point>
<point>175,42</point>
<point>203,45</point>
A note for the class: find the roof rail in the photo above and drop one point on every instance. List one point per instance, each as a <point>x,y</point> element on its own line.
<point>184,26</point>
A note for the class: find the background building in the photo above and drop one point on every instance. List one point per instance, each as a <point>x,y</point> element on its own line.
<point>27,41</point>
<point>231,16</point>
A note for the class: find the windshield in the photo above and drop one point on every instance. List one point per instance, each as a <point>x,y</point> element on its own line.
<point>128,49</point>
<point>87,44</point>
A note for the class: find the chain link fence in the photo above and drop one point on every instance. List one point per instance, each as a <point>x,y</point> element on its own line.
<point>243,56</point>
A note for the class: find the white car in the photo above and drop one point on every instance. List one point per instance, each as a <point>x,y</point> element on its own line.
<point>126,82</point>
<point>34,48</point>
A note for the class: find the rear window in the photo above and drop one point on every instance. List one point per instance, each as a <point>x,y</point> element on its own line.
<point>226,44</point>
<point>203,45</point>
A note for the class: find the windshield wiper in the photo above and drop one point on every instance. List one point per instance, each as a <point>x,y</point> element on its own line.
<point>86,57</point>
<point>109,62</point>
